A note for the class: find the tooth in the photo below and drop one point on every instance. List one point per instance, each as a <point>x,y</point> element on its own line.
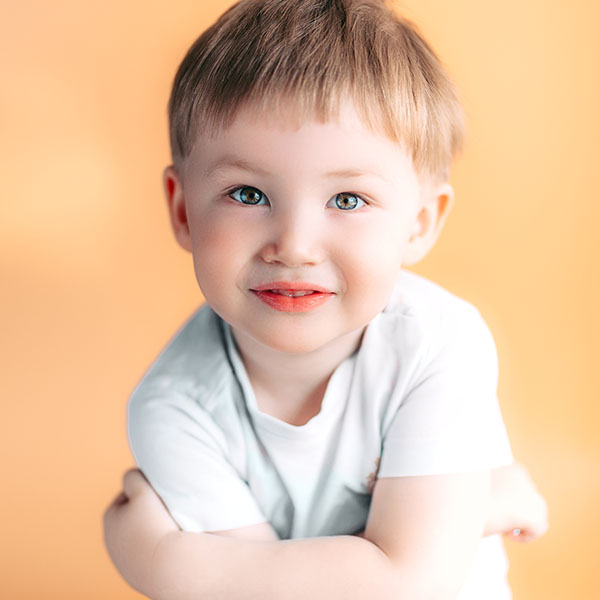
<point>292,293</point>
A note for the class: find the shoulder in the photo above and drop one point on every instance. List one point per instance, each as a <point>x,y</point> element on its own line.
<point>424,327</point>
<point>194,356</point>
<point>189,372</point>
<point>420,298</point>
<point>446,404</point>
<point>188,392</point>
<point>434,314</point>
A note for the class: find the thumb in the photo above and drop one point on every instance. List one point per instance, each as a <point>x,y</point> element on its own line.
<point>134,483</point>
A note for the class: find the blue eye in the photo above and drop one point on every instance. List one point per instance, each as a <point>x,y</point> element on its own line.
<point>347,201</point>
<point>248,195</point>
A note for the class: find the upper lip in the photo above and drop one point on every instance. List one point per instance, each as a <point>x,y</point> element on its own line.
<point>292,286</point>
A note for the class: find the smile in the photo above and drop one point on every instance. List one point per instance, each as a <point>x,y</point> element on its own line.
<point>292,298</point>
<point>292,293</point>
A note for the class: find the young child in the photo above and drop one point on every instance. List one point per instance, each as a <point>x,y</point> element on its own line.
<point>326,425</point>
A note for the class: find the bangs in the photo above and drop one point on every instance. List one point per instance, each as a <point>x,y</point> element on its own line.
<point>306,58</point>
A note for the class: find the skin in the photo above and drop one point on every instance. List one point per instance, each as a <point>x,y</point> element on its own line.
<point>413,546</point>
<point>298,233</point>
<point>162,562</point>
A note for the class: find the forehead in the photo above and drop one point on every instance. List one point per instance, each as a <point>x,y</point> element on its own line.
<point>285,138</point>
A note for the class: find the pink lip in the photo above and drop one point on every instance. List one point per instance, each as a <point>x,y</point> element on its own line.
<point>292,286</point>
<point>282,303</point>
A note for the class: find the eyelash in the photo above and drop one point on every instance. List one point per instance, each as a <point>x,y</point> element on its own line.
<point>234,193</point>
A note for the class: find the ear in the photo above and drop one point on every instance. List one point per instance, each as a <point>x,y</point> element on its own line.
<point>177,210</point>
<point>429,222</point>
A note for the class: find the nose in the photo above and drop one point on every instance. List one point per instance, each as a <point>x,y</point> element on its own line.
<point>294,238</point>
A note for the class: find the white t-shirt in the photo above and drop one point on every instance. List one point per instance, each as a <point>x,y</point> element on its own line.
<point>417,398</point>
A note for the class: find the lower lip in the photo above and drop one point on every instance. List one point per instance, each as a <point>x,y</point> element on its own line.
<point>290,304</point>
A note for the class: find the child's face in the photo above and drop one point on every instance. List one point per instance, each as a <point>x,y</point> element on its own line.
<point>327,212</point>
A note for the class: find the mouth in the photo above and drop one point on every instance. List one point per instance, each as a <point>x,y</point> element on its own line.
<point>292,293</point>
<point>291,286</point>
<point>292,296</point>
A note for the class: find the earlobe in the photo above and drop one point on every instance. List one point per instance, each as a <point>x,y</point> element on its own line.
<point>177,209</point>
<point>429,223</point>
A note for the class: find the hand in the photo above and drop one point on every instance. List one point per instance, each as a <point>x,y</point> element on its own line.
<point>517,508</point>
<point>134,525</point>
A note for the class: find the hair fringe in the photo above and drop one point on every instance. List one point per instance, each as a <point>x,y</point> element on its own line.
<point>309,54</point>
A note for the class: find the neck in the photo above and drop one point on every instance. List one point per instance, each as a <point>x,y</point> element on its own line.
<point>291,385</point>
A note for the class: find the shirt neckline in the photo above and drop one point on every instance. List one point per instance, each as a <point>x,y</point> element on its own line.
<point>334,398</point>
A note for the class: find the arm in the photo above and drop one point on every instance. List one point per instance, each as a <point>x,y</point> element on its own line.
<point>516,506</point>
<point>419,541</point>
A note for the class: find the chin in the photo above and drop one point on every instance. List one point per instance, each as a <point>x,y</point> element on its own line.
<point>295,336</point>
<point>291,343</point>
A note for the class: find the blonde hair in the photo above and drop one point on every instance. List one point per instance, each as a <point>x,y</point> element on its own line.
<point>313,54</point>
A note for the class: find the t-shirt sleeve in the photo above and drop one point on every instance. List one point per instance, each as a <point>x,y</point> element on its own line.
<point>450,421</point>
<point>183,454</point>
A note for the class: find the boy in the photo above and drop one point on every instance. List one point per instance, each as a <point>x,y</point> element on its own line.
<point>326,425</point>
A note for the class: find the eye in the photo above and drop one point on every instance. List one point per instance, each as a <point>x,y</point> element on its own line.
<point>248,195</point>
<point>346,201</point>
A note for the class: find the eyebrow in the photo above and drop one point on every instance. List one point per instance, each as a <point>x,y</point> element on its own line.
<point>229,161</point>
<point>351,174</point>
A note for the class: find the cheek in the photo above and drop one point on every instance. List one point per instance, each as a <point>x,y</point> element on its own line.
<point>219,250</point>
<point>370,266</point>
<point>373,256</point>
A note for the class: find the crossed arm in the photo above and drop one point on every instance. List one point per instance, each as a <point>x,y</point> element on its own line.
<point>419,541</point>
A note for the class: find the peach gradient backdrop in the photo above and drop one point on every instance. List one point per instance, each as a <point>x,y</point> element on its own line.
<point>93,284</point>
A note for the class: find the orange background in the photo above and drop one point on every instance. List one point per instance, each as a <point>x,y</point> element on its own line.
<point>93,284</point>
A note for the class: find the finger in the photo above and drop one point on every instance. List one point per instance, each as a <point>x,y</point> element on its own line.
<point>516,535</point>
<point>524,535</point>
<point>134,483</point>
<point>112,507</point>
<point>120,499</point>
